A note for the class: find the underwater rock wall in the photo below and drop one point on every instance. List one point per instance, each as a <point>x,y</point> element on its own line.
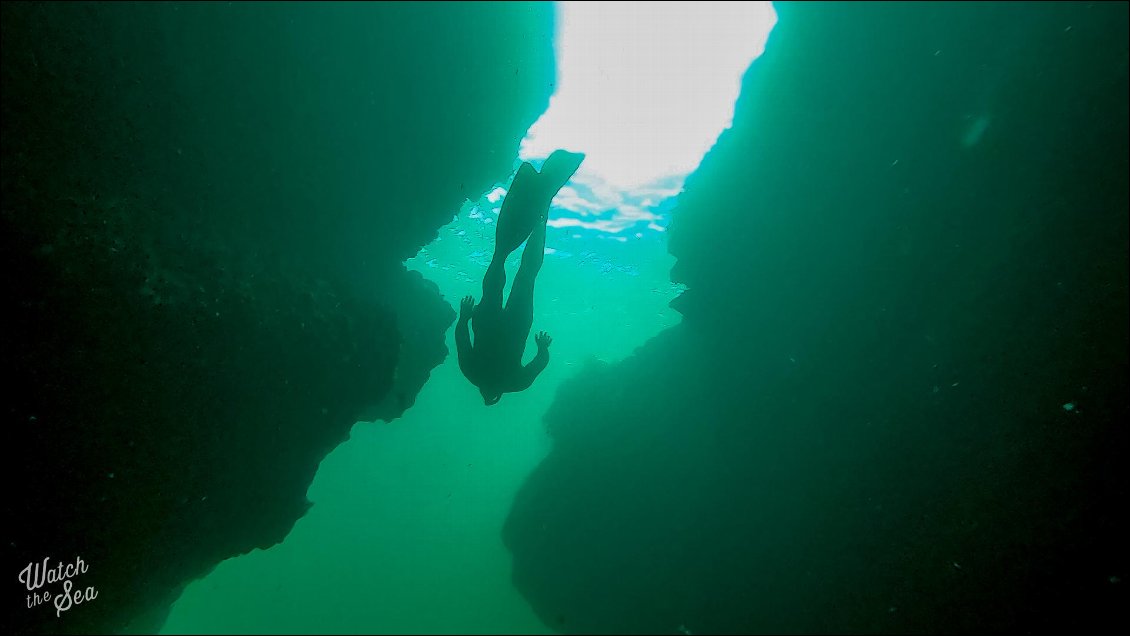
<point>206,207</point>
<point>897,400</point>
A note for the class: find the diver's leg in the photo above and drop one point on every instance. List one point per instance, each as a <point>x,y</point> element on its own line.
<point>517,217</point>
<point>520,304</point>
<point>515,220</point>
<point>493,283</point>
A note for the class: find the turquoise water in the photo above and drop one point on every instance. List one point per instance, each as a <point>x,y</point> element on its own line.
<point>862,370</point>
<point>405,535</point>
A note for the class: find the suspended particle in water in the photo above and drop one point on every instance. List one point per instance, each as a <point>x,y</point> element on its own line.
<point>975,131</point>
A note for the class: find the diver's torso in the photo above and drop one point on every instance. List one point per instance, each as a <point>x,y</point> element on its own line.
<point>497,355</point>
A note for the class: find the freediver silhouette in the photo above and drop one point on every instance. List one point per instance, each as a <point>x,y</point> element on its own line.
<point>494,362</point>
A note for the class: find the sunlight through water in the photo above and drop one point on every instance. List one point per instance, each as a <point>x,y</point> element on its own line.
<point>644,90</point>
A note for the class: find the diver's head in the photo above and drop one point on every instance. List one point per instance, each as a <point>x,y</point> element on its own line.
<point>490,398</point>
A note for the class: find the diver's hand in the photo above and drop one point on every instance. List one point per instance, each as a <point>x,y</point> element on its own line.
<point>466,308</point>
<point>543,340</point>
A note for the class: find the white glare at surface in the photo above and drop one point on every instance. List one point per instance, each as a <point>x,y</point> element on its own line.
<point>645,88</point>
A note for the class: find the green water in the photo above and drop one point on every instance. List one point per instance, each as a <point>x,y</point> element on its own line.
<point>405,532</point>
<point>892,400</point>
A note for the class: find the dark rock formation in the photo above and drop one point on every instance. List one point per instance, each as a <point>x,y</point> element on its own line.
<point>205,211</point>
<point>897,401</point>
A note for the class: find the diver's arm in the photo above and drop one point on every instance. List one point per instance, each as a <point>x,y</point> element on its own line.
<point>538,364</point>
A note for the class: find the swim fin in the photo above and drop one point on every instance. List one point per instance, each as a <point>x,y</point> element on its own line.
<point>527,202</point>
<point>558,169</point>
<point>520,211</point>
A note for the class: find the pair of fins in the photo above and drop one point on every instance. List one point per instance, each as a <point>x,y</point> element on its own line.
<point>527,202</point>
